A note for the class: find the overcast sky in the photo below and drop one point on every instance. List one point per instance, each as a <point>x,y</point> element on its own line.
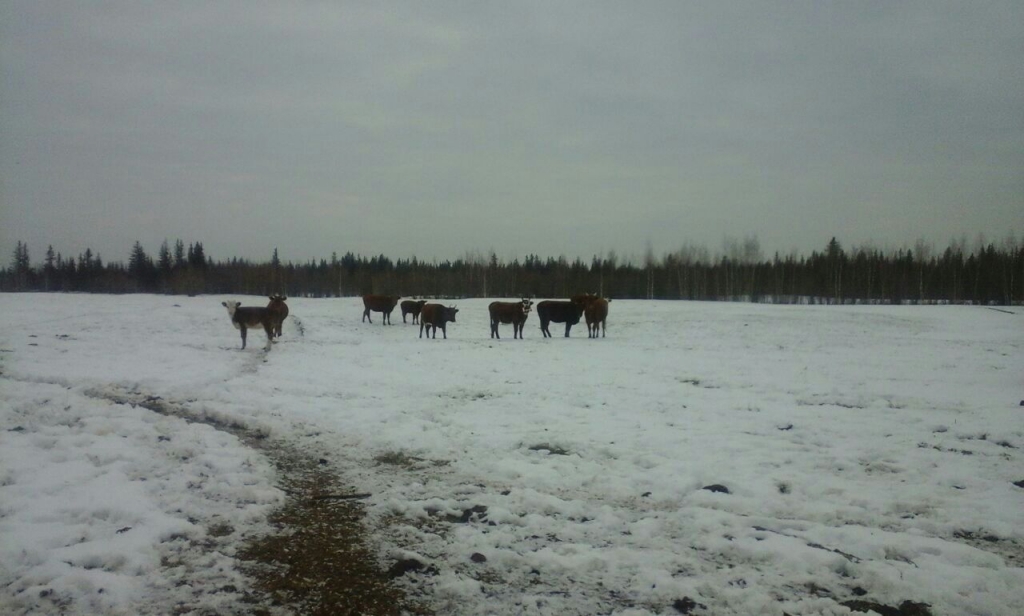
<point>555,128</point>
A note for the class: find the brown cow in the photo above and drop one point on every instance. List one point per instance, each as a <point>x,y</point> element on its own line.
<point>412,307</point>
<point>279,310</point>
<point>379,303</point>
<point>434,316</point>
<point>509,312</point>
<point>596,312</point>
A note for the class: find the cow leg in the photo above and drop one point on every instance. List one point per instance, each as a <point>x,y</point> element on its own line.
<point>421,329</point>
<point>568,326</point>
<point>444,330</point>
<point>494,329</point>
<point>366,316</point>
<point>269,329</point>
<point>544,328</point>
<point>242,329</point>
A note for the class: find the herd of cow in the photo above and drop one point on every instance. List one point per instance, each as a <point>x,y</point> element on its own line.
<point>433,316</point>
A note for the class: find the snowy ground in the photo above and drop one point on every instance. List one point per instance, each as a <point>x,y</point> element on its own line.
<point>869,453</point>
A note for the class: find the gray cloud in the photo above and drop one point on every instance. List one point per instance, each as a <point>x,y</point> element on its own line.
<point>565,128</point>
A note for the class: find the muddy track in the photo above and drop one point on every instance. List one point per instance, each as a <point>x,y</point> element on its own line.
<point>317,561</point>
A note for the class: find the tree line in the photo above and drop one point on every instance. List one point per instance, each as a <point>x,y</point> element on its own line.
<point>983,274</point>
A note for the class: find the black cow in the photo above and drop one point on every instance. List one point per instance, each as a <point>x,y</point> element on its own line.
<point>434,316</point>
<point>412,307</point>
<point>568,312</point>
<point>509,312</point>
<point>379,303</point>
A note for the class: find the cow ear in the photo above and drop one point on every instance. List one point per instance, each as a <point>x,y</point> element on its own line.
<point>225,304</point>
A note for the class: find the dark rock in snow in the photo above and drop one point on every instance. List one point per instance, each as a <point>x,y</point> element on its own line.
<point>717,487</point>
<point>1019,484</point>
<point>477,511</point>
<point>477,557</point>
<point>406,565</point>
<point>686,605</point>
<point>907,608</point>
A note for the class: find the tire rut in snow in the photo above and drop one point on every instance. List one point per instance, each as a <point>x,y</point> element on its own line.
<point>317,562</point>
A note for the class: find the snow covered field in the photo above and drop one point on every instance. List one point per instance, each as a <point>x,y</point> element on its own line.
<point>869,453</point>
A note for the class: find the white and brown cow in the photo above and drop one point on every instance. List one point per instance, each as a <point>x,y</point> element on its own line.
<point>245,317</point>
<point>509,312</point>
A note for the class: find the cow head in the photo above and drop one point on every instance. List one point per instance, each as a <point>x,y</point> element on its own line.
<point>231,305</point>
<point>527,304</point>
<point>449,313</point>
<point>583,300</point>
<point>277,297</point>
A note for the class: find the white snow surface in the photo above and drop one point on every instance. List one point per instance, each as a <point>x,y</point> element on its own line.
<point>865,449</point>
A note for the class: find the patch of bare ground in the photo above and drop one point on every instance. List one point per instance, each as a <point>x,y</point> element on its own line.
<point>318,561</point>
<point>1010,550</point>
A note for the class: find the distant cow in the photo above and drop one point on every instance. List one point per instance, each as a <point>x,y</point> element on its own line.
<point>560,312</point>
<point>596,312</point>
<point>279,310</point>
<point>412,307</point>
<point>509,312</point>
<point>434,316</point>
<point>379,303</point>
<point>244,318</point>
